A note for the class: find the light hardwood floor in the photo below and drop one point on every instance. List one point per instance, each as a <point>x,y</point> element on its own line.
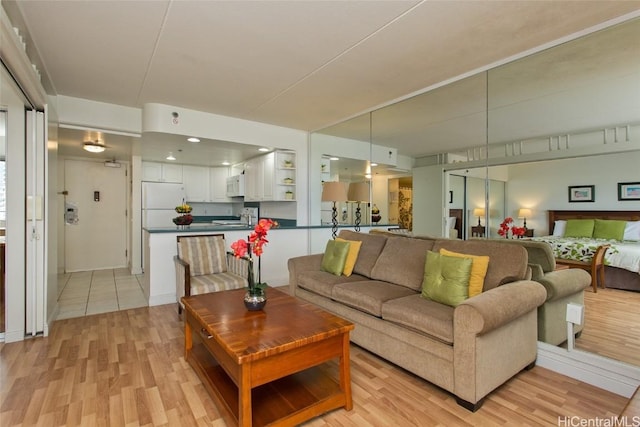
<point>127,368</point>
<point>611,325</point>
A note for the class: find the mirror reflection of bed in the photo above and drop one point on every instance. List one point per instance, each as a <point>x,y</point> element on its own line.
<point>611,314</point>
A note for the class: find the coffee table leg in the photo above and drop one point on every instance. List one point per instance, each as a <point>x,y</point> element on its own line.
<point>345,372</point>
<point>188,339</point>
<point>244,396</point>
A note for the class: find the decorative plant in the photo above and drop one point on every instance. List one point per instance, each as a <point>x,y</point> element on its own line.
<point>516,231</point>
<point>254,245</point>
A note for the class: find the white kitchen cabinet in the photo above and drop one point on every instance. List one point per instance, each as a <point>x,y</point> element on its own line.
<point>218,185</point>
<point>196,183</point>
<point>271,177</point>
<point>161,172</point>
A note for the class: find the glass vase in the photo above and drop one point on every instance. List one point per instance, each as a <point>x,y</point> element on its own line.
<point>255,299</point>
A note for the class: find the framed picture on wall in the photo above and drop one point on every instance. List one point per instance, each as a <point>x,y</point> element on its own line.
<point>629,191</point>
<point>581,193</point>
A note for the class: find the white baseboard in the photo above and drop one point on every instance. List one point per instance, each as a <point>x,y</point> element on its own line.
<point>162,299</point>
<point>608,374</point>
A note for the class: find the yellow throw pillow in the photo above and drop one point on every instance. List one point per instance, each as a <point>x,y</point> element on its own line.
<point>478,270</point>
<point>354,250</point>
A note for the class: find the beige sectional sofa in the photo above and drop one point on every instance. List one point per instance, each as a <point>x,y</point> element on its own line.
<point>468,350</point>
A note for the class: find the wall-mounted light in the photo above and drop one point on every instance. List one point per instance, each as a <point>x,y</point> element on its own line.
<point>94,146</point>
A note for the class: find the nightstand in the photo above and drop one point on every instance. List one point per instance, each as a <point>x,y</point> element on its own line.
<point>528,232</point>
<point>477,231</point>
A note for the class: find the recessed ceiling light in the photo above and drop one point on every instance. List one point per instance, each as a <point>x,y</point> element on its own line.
<point>170,157</point>
<point>263,149</point>
<point>374,164</point>
<point>368,176</point>
<point>225,163</point>
<point>334,158</point>
<point>94,146</point>
<point>192,139</point>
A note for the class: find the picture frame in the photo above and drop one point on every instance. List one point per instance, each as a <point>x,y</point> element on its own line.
<point>581,193</point>
<point>628,191</point>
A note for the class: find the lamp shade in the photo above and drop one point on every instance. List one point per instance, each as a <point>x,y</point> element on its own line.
<point>358,192</point>
<point>478,212</point>
<point>524,213</point>
<point>334,191</point>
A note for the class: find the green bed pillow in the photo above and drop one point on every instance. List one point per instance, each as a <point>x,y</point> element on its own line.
<point>335,256</point>
<point>609,229</point>
<point>579,228</point>
<point>446,278</point>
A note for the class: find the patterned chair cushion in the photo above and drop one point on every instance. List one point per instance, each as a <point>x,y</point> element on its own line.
<point>216,282</point>
<point>204,254</point>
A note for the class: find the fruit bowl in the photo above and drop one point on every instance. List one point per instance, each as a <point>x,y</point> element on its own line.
<point>183,220</point>
<point>184,209</point>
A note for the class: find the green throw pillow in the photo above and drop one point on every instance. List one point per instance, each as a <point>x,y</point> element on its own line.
<point>446,278</point>
<point>609,229</point>
<point>335,256</point>
<point>579,228</point>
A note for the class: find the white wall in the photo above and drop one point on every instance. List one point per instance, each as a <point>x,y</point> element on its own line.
<point>543,186</point>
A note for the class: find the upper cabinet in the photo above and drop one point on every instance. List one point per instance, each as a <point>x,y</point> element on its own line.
<point>161,172</point>
<point>271,177</point>
<point>196,183</point>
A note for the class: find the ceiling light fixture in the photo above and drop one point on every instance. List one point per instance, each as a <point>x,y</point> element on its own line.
<point>334,158</point>
<point>94,146</point>
<point>263,149</point>
<point>170,157</point>
<point>193,139</point>
<point>374,164</point>
<point>225,163</point>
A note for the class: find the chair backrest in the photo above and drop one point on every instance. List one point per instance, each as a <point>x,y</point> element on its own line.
<point>205,254</point>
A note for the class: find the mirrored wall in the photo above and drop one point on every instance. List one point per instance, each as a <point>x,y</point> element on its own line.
<point>515,137</point>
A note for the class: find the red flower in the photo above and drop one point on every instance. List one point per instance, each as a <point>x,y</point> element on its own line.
<point>257,239</point>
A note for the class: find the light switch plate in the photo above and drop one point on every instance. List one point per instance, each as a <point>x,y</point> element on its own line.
<point>575,313</point>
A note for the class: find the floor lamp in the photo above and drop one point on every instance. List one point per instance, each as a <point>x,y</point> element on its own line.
<point>358,193</point>
<point>334,191</point>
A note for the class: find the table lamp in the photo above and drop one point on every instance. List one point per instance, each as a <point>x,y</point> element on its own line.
<point>524,213</point>
<point>479,212</point>
<point>334,191</point>
<point>358,193</point>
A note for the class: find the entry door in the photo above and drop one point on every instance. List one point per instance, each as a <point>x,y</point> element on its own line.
<point>95,216</point>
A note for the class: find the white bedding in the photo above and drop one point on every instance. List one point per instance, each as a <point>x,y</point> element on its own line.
<point>624,254</point>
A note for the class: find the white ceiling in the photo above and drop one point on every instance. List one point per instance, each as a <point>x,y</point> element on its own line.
<point>299,64</point>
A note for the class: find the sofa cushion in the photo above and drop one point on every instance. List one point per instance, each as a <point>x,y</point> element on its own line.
<point>335,255</point>
<point>402,262</point>
<point>446,279</point>
<point>372,245</point>
<point>415,312</point>
<point>368,295</point>
<point>204,254</point>
<point>352,256</point>
<point>479,266</point>
<point>322,283</point>
<point>511,260</point>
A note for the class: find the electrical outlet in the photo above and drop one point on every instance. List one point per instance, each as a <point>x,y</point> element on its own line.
<point>575,313</point>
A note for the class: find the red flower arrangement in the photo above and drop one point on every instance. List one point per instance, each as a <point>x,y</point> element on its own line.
<point>516,231</point>
<point>254,244</point>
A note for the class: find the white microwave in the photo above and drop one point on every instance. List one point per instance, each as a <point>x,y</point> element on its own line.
<point>235,186</point>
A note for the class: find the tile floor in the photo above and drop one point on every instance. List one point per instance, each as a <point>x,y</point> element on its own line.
<point>101,291</point>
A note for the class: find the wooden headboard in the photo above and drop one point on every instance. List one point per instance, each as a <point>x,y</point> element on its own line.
<point>619,215</point>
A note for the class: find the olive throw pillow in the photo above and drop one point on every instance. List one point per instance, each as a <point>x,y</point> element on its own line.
<point>609,229</point>
<point>446,278</point>
<point>335,256</point>
<point>479,267</point>
<point>352,256</point>
<point>579,228</point>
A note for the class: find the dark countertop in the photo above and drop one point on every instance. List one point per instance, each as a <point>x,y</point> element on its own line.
<point>198,227</point>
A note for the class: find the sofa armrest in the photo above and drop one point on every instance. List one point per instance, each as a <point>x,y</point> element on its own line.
<point>498,306</point>
<point>561,283</point>
<point>299,264</point>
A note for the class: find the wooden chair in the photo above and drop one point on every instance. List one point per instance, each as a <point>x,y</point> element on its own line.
<point>595,267</point>
<point>203,266</point>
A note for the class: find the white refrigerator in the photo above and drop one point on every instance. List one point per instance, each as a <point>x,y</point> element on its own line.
<point>159,200</point>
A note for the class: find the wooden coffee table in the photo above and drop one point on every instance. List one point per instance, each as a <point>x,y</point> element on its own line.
<point>268,367</point>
